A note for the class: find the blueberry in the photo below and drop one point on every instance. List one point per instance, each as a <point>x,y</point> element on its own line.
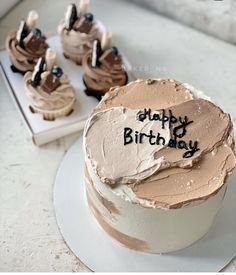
<point>36,31</point>
<point>57,71</point>
<point>114,50</point>
<point>89,16</point>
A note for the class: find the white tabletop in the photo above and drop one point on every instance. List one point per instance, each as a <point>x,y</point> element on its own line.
<point>157,47</point>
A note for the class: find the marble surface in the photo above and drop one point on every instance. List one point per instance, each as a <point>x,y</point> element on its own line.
<point>215,17</point>
<point>30,239</point>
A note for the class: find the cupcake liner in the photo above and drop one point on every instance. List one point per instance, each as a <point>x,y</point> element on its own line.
<point>54,114</point>
<point>98,94</point>
<point>16,70</point>
<point>91,92</point>
<point>77,60</point>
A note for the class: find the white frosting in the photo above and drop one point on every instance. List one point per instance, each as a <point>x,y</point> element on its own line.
<point>197,93</point>
<point>152,225</point>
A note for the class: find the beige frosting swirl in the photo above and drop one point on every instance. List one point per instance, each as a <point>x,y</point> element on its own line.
<point>76,44</point>
<point>61,97</point>
<point>100,78</point>
<point>176,181</point>
<point>24,59</point>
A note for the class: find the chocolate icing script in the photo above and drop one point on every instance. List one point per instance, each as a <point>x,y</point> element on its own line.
<point>177,125</point>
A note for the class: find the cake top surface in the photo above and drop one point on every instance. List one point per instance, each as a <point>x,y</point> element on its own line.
<point>158,139</point>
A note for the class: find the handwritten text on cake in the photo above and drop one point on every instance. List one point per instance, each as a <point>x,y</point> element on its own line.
<point>177,125</point>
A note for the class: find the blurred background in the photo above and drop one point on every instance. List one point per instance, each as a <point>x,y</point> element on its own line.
<point>216,18</point>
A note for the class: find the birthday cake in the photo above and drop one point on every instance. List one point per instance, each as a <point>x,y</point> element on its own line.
<point>156,176</point>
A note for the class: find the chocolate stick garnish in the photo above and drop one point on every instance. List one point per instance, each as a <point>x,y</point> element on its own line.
<point>70,16</point>
<point>21,33</point>
<point>96,53</point>
<point>38,69</point>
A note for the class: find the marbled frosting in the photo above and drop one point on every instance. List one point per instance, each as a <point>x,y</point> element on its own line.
<point>76,44</point>
<point>23,58</point>
<point>101,78</point>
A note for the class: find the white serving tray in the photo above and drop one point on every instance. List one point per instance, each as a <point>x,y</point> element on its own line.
<point>45,131</point>
<point>101,253</point>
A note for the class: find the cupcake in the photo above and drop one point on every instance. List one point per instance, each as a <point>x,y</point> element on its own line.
<point>77,32</point>
<point>26,45</point>
<point>157,175</point>
<point>48,89</point>
<point>103,68</point>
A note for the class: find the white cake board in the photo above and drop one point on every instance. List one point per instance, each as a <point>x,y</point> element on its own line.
<point>101,253</point>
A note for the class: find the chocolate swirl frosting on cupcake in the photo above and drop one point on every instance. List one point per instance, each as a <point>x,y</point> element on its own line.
<point>77,32</point>
<point>103,69</point>
<point>26,45</point>
<point>49,89</point>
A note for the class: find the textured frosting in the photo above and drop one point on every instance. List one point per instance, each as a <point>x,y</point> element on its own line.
<point>62,96</point>
<point>190,184</point>
<point>154,94</point>
<point>24,59</point>
<point>76,44</point>
<point>101,78</point>
<point>210,127</point>
<point>139,160</point>
<point>179,181</point>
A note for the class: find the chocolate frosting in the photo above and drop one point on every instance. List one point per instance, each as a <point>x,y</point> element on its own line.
<point>154,94</point>
<point>24,59</point>
<point>174,187</point>
<point>75,44</point>
<point>210,128</point>
<point>177,181</point>
<point>62,96</point>
<point>102,77</point>
<point>139,159</point>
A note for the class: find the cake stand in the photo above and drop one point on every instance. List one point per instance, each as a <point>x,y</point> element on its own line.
<point>99,252</point>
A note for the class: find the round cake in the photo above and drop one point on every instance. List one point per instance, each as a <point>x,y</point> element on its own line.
<point>157,156</point>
